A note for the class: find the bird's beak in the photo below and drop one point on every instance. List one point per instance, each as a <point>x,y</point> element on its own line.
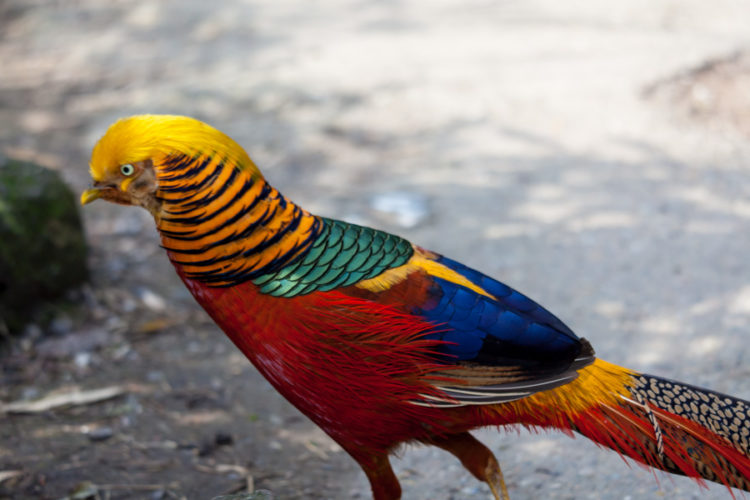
<point>90,195</point>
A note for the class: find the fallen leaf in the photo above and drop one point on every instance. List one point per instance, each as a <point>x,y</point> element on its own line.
<point>155,325</point>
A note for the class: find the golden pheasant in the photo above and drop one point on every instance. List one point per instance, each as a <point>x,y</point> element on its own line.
<point>381,342</point>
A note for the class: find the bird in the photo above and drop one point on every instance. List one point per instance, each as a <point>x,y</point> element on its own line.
<point>381,342</point>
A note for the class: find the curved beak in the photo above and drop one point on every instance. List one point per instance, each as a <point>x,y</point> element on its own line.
<point>90,195</point>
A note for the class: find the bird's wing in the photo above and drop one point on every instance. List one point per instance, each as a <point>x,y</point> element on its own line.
<point>497,344</point>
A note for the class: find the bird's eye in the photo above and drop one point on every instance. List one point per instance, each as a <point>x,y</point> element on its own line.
<point>127,169</point>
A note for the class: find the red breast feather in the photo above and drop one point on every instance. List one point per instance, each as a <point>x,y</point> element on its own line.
<point>351,365</point>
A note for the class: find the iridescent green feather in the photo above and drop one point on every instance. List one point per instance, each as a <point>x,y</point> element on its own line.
<point>342,254</point>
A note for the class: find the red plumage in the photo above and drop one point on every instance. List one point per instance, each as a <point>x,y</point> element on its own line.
<point>344,361</point>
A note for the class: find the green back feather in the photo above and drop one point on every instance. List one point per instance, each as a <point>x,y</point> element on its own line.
<point>342,254</point>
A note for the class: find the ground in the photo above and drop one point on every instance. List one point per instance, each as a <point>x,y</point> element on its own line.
<point>592,154</point>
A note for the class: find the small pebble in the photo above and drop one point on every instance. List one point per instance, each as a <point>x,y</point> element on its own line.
<point>223,439</point>
<point>158,495</point>
<point>151,300</point>
<point>82,360</point>
<point>100,434</point>
<point>275,445</point>
<point>120,352</point>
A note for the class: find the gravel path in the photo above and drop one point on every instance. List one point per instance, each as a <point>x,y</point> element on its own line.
<point>562,147</point>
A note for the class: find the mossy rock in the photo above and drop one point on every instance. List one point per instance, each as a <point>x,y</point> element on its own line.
<point>42,246</point>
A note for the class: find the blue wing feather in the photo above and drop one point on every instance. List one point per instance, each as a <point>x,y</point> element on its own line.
<point>510,330</point>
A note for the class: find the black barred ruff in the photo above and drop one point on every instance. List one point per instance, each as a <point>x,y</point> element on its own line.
<point>222,227</point>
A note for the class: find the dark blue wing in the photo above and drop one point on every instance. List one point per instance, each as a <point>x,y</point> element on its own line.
<point>511,330</point>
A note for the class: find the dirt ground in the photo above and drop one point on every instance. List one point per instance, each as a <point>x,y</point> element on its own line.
<point>592,154</point>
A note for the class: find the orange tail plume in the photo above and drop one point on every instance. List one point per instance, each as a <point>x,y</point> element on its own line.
<point>675,427</point>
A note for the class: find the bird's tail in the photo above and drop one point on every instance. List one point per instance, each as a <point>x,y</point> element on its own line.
<point>674,427</point>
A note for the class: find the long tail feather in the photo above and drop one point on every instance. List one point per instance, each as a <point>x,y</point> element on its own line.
<point>677,428</point>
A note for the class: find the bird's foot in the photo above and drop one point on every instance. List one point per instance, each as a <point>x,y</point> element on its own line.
<point>477,459</point>
<point>494,478</point>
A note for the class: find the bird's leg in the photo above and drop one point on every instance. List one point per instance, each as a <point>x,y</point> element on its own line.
<point>477,459</point>
<point>383,481</point>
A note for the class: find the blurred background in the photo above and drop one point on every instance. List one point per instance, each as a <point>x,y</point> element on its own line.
<point>591,154</point>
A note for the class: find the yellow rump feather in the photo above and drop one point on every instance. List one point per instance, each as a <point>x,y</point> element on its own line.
<point>419,261</point>
<point>598,384</point>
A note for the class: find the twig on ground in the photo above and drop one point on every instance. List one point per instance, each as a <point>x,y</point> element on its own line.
<point>9,474</point>
<point>75,397</point>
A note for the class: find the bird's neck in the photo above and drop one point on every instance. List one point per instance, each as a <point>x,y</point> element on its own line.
<point>223,226</point>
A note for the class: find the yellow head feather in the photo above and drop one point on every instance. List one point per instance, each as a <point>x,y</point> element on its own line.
<point>155,137</point>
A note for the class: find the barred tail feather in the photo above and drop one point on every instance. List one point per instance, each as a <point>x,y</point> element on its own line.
<point>677,428</point>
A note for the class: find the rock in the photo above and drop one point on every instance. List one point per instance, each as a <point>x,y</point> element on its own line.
<point>42,247</point>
